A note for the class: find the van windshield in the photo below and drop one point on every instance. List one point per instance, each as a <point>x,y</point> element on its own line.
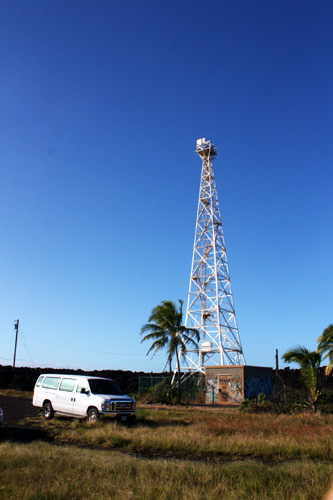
<point>104,386</point>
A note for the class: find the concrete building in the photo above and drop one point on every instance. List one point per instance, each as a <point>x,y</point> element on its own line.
<point>231,384</point>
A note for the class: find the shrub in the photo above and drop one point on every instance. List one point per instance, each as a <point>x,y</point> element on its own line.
<point>160,393</point>
<point>257,405</point>
<point>326,408</point>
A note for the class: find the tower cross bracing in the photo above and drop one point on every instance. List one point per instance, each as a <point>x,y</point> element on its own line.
<point>210,306</point>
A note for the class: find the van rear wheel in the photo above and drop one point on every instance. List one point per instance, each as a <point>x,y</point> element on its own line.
<point>92,415</point>
<point>48,411</point>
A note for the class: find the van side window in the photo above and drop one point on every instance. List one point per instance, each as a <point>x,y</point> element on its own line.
<point>67,384</point>
<point>51,382</point>
<point>82,385</point>
<point>39,381</point>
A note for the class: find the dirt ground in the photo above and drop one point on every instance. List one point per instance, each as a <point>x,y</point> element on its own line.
<point>13,428</point>
<point>16,409</point>
<point>18,414</point>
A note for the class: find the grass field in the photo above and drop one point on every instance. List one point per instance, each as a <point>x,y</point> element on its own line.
<point>182,453</point>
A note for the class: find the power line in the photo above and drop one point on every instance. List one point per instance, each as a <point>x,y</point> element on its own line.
<point>24,342</point>
<point>92,350</point>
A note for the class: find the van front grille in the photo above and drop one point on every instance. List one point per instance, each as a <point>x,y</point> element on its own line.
<point>123,406</point>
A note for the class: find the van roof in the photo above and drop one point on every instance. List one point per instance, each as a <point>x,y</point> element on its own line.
<point>72,376</point>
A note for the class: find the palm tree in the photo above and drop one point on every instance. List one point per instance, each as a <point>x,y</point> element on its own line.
<point>325,345</point>
<point>165,328</point>
<point>309,363</point>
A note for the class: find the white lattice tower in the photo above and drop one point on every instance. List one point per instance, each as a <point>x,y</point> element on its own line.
<point>210,306</point>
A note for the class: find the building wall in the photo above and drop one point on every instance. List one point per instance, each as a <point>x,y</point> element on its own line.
<point>258,379</point>
<point>230,385</point>
<point>224,384</point>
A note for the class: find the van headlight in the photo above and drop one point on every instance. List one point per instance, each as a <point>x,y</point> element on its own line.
<point>105,405</point>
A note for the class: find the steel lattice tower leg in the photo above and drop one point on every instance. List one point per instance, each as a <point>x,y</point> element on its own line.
<point>210,306</point>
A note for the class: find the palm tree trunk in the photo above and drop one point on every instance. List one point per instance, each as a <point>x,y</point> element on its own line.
<point>178,369</point>
<point>170,388</point>
<point>315,401</point>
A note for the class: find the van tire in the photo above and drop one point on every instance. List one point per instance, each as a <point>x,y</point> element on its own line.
<point>48,410</point>
<point>92,415</point>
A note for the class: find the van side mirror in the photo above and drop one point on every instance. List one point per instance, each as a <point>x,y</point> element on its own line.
<point>84,390</point>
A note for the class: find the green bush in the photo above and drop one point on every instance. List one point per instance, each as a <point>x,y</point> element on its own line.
<point>160,393</point>
<point>293,408</point>
<point>257,405</point>
<point>326,408</point>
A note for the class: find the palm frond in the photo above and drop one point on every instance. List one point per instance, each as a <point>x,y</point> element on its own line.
<point>165,328</point>
<point>151,327</point>
<point>309,363</point>
<point>329,368</point>
<point>189,333</point>
<point>325,341</point>
<point>296,355</point>
<point>325,346</point>
<point>157,345</point>
<point>153,336</point>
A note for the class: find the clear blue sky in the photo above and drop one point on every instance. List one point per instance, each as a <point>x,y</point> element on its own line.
<point>101,104</point>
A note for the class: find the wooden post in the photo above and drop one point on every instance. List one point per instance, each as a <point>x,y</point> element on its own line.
<point>16,326</point>
<point>276,360</point>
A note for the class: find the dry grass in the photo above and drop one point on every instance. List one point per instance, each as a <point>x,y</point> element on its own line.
<point>16,393</point>
<point>189,432</point>
<point>174,454</point>
<point>42,471</point>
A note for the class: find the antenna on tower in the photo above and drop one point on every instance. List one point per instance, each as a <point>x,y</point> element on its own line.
<point>210,306</point>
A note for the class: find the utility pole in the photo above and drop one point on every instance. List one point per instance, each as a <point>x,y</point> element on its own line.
<point>16,326</point>
<point>276,361</point>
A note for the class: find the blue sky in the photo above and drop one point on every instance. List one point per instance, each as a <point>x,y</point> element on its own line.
<point>101,104</point>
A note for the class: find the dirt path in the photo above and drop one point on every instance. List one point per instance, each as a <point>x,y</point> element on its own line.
<point>16,409</point>
<point>13,428</point>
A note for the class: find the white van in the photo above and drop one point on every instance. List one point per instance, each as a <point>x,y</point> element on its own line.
<point>82,396</point>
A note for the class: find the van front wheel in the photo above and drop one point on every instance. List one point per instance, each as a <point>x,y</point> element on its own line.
<point>48,410</point>
<point>92,415</point>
